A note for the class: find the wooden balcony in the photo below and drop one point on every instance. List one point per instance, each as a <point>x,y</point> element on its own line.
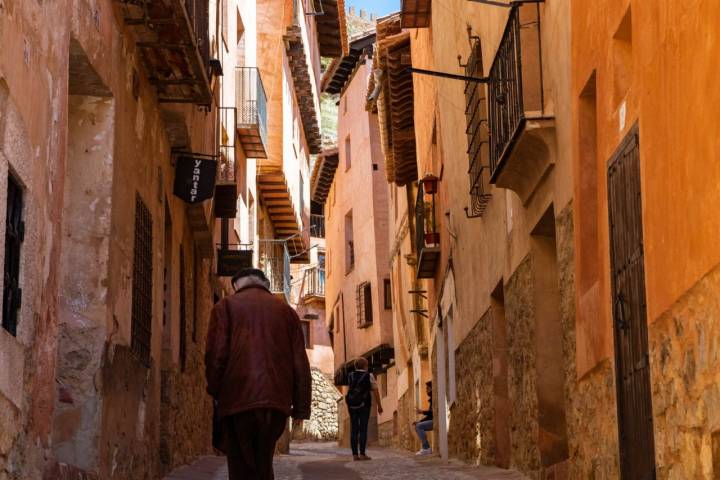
<point>251,102</point>
<point>416,13</point>
<point>323,175</point>
<point>172,36</point>
<point>277,198</point>
<point>304,92</point>
<point>522,132</point>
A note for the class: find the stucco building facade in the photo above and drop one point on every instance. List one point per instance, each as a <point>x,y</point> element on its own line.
<point>561,276</point>
<point>114,251</point>
<point>349,181</point>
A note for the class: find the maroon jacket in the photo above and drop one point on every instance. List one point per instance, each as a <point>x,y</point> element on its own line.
<point>256,356</point>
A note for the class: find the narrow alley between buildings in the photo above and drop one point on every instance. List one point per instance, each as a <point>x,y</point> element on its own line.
<point>325,461</point>
<point>485,231</point>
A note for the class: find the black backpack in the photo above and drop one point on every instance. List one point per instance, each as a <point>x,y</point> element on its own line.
<point>358,395</point>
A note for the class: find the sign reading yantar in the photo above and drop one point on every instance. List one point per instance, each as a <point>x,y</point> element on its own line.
<point>195,178</point>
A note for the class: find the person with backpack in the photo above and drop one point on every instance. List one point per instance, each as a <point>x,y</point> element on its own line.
<point>362,386</point>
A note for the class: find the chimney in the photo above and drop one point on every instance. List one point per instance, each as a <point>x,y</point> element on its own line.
<point>363,14</point>
<point>351,10</point>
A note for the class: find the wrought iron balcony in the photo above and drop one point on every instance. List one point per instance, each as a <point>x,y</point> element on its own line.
<point>314,283</point>
<point>317,226</point>
<point>173,36</point>
<point>427,237</point>
<point>251,103</point>
<point>274,260</point>
<point>521,131</point>
<point>226,186</point>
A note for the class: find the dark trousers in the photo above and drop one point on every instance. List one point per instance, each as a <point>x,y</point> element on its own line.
<point>251,439</point>
<point>359,420</point>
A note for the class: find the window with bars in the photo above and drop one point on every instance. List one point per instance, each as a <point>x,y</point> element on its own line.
<point>183,311</point>
<point>141,328</point>
<point>364,305</point>
<point>477,133</point>
<point>14,236</point>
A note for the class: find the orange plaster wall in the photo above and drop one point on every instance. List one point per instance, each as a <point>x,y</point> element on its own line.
<point>673,97</point>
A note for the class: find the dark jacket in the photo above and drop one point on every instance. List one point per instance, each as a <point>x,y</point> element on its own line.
<point>256,356</point>
<point>428,413</point>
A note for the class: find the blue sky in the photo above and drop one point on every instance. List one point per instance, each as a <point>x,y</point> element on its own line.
<point>381,7</point>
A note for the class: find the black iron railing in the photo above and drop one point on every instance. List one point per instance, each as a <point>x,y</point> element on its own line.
<point>516,85</point>
<point>251,100</point>
<point>315,282</point>
<point>317,226</point>
<point>199,15</point>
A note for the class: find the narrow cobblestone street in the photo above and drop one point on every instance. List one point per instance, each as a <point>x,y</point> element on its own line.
<point>311,461</point>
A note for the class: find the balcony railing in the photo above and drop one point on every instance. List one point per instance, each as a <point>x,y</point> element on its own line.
<point>251,102</point>
<point>427,237</point>
<point>516,88</point>
<point>317,226</point>
<point>274,260</point>
<point>314,282</point>
<point>173,37</point>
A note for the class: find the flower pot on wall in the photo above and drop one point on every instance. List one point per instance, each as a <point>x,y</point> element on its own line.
<point>432,239</point>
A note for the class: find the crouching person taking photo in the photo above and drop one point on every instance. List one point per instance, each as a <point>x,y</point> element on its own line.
<point>362,387</point>
<point>426,424</point>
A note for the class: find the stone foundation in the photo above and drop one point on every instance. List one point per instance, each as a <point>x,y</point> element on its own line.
<point>385,434</point>
<point>471,425</point>
<point>524,428</point>
<point>685,376</point>
<point>323,423</point>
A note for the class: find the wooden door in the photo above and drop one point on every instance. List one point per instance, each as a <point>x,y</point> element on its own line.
<point>637,447</point>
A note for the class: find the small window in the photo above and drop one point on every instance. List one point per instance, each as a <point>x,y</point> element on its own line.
<point>348,153</point>
<point>305,324</point>
<point>387,290</point>
<point>364,305</point>
<point>14,236</point>
<point>349,243</point>
<point>141,323</point>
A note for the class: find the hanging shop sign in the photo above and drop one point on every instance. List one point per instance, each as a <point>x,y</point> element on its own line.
<point>195,177</point>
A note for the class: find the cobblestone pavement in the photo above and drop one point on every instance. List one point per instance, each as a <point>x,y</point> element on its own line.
<point>324,461</point>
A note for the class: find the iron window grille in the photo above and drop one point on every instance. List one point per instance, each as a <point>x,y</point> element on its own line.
<point>141,325</point>
<point>14,236</point>
<point>364,305</point>
<point>477,132</point>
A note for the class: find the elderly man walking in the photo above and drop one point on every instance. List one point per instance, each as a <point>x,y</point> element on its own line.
<point>258,373</point>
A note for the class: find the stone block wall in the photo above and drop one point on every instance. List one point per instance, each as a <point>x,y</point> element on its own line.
<point>471,425</point>
<point>685,376</point>
<point>323,423</point>
<point>524,428</point>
